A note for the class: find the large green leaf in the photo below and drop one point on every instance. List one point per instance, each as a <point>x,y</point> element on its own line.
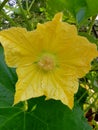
<point>43,115</point>
<point>54,6</point>
<point>92,7</point>
<point>7,82</point>
<point>69,7</point>
<point>79,10</point>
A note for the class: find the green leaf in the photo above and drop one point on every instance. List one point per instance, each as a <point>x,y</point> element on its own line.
<point>7,82</point>
<point>55,6</point>
<point>43,115</point>
<point>80,15</point>
<point>79,10</point>
<point>92,7</point>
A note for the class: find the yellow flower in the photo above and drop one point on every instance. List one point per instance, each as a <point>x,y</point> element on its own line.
<point>49,60</point>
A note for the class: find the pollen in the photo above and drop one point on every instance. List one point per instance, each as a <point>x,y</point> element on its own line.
<point>46,63</point>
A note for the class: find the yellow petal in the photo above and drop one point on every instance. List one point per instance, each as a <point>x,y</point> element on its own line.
<point>28,85</point>
<point>22,45</point>
<point>17,47</point>
<point>34,83</point>
<point>61,87</point>
<point>55,33</point>
<point>58,17</point>
<point>76,60</point>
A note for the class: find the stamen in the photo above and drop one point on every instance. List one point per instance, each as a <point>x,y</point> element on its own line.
<point>46,63</point>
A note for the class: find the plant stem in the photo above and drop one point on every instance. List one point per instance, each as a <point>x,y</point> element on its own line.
<point>92,23</point>
<point>4,13</point>
<point>25,108</point>
<point>3,4</point>
<point>82,96</point>
<point>8,18</point>
<point>27,5</point>
<point>29,27</point>
<point>31,5</point>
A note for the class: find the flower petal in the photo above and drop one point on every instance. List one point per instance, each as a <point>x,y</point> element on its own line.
<point>29,83</point>
<point>54,32</point>
<point>34,83</point>
<point>18,48</point>
<point>76,60</point>
<point>22,45</point>
<point>61,87</point>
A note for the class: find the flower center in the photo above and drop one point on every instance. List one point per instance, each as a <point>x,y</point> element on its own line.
<point>47,63</point>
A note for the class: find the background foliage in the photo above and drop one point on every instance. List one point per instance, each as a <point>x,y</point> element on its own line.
<point>36,113</point>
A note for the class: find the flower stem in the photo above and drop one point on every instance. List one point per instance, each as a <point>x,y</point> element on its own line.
<point>25,108</point>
